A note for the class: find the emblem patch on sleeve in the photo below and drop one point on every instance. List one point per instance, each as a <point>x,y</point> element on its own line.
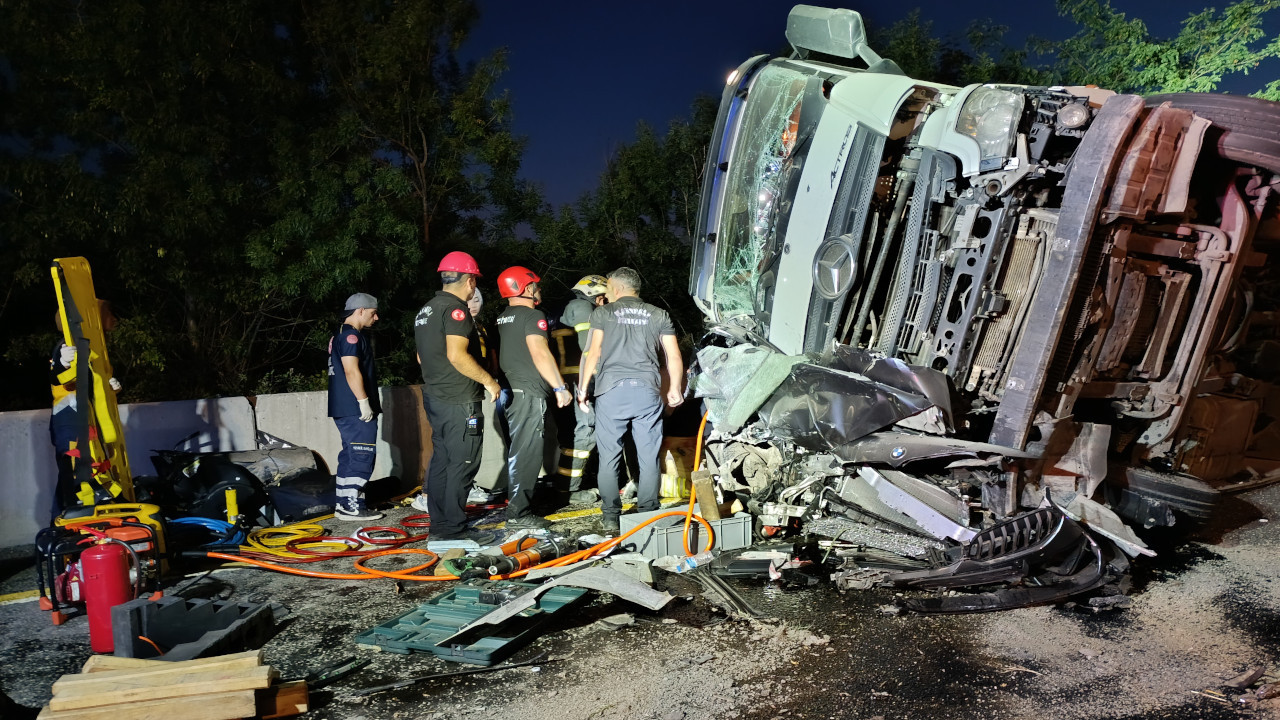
<point>542,324</point>
<point>459,315</point>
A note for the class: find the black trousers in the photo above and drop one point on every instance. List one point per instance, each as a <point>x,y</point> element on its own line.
<point>456,433</point>
<point>532,423</point>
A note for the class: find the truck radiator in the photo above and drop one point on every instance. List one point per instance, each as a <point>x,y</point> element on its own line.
<point>1021,277</point>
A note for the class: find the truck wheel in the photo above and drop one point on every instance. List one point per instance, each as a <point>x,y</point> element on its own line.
<point>1248,125</point>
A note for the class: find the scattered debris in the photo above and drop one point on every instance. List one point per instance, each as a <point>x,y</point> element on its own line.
<point>1247,678</point>
<point>617,622</point>
<point>540,659</point>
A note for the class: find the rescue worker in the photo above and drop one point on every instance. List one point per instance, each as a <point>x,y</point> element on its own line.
<point>589,294</point>
<point>451,395</point>
<point>354,407</point>
<point>531,369</point>
<point>625,337</point>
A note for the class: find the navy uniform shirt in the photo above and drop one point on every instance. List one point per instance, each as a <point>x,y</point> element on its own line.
<point>350,342</point>
<point>633,330</point>
<point>515,325</point>
<point>442,316</point>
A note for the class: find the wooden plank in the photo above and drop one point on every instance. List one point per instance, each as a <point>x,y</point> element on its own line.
<point>284,700</point>
<point>257,678</point>
<point>99,663</point>
<point>139,682</point>
<point>214,706</point>
<point>159,671</point>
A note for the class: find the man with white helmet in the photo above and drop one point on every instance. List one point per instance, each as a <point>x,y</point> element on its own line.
<point>589,294</point>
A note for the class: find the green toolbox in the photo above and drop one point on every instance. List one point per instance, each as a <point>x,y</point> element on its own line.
<point>443,616</point>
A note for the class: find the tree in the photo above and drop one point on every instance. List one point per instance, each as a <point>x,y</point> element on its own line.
<point>1118,53</point>
<point>233,170</point>
<point>980,56</point>
<point>643,214</point>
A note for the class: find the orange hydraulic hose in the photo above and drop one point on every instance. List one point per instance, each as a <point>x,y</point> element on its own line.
<point>693,489</point>
<point>364,574</point>
<point>367,573</point>
<point>595,549</point>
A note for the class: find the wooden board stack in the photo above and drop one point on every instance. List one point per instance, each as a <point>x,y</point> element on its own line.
<point>226,687</point>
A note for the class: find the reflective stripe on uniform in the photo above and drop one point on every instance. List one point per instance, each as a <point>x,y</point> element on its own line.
<point>580,454</point>
<point>576,472</point>
<point>582,326</point>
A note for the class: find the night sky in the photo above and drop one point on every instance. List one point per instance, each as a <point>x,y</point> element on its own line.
<point>582,74</point>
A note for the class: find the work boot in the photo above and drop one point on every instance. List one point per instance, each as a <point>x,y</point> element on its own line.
<point>419,503</point>
<point>584,497</point>
<point>609,526</point>
<point>528,522</point>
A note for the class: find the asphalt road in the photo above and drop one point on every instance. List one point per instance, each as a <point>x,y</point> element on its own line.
<point>1204,611</point>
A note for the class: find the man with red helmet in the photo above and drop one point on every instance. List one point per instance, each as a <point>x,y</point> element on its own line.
<point>526,359</point>
<point>451,394</point>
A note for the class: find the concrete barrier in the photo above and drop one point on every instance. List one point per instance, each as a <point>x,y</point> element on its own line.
<point>404,438</point>
<point>213,425</point>
<point>27,475</point>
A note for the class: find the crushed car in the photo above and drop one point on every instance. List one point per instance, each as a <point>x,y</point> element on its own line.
<point>975,336</point>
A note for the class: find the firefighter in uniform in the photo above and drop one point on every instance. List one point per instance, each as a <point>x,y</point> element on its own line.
<point>531,369</point>
<point>453,385</point>
<point>589,294</point>
<point>625,337</point>
<point>353,405</point>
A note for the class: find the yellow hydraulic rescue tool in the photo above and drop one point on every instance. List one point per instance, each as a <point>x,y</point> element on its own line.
<point>103,476</point>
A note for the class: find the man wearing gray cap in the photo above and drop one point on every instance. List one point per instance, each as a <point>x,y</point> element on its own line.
<point>353,405</point>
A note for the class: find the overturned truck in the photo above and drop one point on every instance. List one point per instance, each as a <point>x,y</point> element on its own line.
<point>974,336</point>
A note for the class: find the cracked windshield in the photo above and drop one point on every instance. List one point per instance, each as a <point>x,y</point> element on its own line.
<point>757,177</point>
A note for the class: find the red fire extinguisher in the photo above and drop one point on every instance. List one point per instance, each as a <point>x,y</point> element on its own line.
<point>104,570</point>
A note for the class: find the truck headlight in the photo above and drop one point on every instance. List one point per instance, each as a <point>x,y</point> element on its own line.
<point>990,116</point>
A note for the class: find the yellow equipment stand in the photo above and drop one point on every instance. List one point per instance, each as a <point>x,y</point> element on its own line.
<point>143,513</point>
<point>78,308</point>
